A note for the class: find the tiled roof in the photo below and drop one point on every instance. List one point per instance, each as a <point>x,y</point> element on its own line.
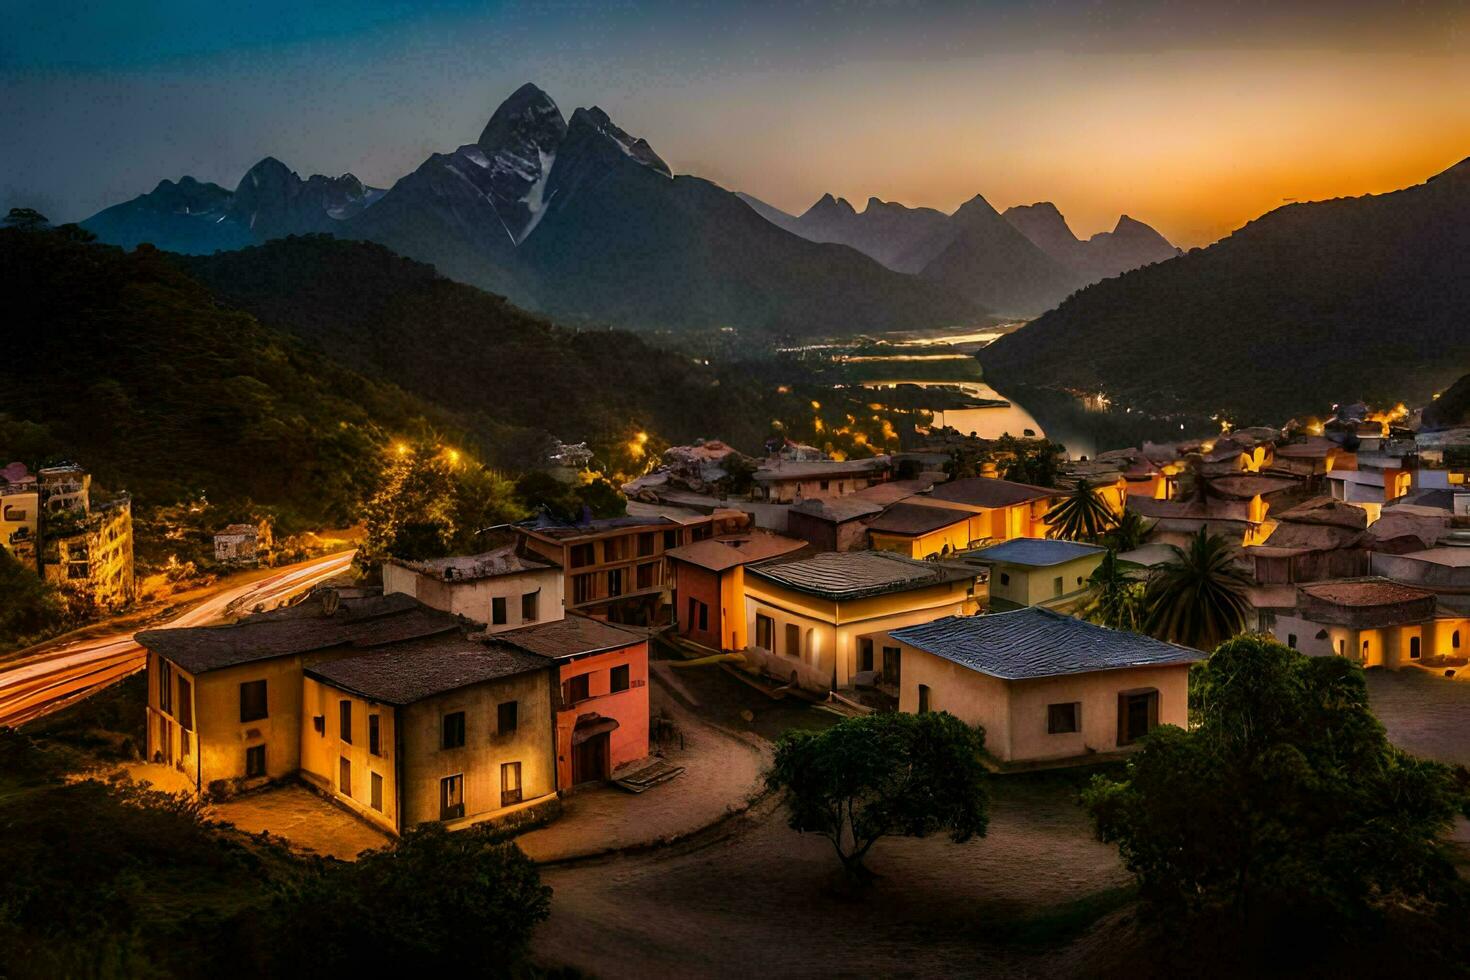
<point>1300,538</point>
<point>837,509</point>
<point>819,469</point>
<point>1035,551</point>
<point>1198,510</point>
<point>375,622</point>
<point>1364,592</point>
<point>718,555</point>
<point>460,568</point>
<point>915,519</point>
<point>571,636</point>
<point>1035,642</point>
<point>554,529</point>
<point>412,671</point>
<point>1326,510</point>
<point>981,491</point>
<point>859,574</point>
<point>1248,485</point>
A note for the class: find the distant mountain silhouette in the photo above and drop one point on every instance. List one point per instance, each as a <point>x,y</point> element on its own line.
<point>883,230</point>
<point>1308,305</point>
<point>575,218</point>
<point>1109,253</point>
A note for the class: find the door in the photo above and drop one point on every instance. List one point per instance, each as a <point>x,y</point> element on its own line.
<point>1138,713</point>
<point>589,759</point>
<point>891,664</point>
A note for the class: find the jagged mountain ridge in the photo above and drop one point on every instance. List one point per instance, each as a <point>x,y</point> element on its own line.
<point>1129,245</point>
<point>1308,305</point>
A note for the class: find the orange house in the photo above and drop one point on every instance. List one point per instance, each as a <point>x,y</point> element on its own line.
<point>602,709</point>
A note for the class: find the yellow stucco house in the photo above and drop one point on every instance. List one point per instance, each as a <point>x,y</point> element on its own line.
<point>818,622</point>
<point>1038,572</point>
<point>919,530</point>
<point>1374,621</point>
<point>998,509</point>
<point>1045,686</point>
<point>506,588</point>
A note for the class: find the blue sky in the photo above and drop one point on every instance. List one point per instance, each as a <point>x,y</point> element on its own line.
<point>1194,115</point>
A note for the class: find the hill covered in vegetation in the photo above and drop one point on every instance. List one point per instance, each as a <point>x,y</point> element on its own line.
<point>1310,305</point>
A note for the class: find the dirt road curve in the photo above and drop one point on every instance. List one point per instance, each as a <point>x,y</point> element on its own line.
<point>36,685</point>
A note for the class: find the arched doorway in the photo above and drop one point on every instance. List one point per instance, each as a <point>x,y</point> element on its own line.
<point>591,748</point>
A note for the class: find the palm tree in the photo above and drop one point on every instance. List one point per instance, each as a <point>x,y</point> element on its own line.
<point>1115,598</point>
<point>1129,533</point>
<point>1082,515</point>
<point>1198,597</point>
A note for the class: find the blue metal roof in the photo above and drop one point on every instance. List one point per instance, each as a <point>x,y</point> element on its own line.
<point>1035,642</point>
<point>1035,551</point>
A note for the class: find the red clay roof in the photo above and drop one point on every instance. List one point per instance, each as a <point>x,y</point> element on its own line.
<point>1364,592</point>
<point>718,555</point>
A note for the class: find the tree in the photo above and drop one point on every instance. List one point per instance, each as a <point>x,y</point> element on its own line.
<point>883,774</point>
<point>460,903</point>
<point>31,606</point>
<point>1082,515</point>
<point>1286,806</point>
<point>1198,597</point>
<point>26,219</point>
<point>483,499</point>
<point>1029,460</point>
<point>1114,598</point>
<point>1129,533</point>
<point>411,514</point>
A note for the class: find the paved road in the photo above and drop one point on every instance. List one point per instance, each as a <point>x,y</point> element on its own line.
<point>37,685</point>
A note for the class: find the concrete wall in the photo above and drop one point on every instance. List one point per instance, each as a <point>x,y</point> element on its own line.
<point>694,582</point>
<point>1388,647</point>
<point>789,491</point>
<point>1032,586</point>
<point>322,750</point>
<point>1014,713</point>
<point>472,598</point>
<point>955,537</point>
<point>629,741</point>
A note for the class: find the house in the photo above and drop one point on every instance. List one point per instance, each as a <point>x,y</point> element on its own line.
<point>1443,569</point>
<point>784,482</point>
<point>503,588</point>
<point>1373,621</point>
<point>88,552</point>
<point>834,524</point>
<point>1046,687</point>
<point>920,530</point>
<point>614,567</point>
<point>441,728</point>
<point>238,544</point>
<point>709,585</point>
<point>1176,521</point>
<point>602,706</point>
<point>998,509</point>
<point>225,702</point>
<point>1375,476</point>
<point>20,502</point>
<point>1038,571</point>
<point>66,487</point>
<point>818,621</point>
<point>1318,539</point>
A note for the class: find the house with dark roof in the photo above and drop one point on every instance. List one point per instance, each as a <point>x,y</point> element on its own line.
<point>1038,571</point>
<point>1376,622</point>
<point>783,481</point>
<point>920,530</point>
<point>1046,687</point>
<point>817,622</point>
<point>709,585</point>
<point>442,728</point>
<point>507,587</point>
<point>998,509</point>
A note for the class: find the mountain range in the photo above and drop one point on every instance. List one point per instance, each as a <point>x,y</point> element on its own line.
<point>1018,263</point>
<point>576,218</point>
<point>1310,305</point>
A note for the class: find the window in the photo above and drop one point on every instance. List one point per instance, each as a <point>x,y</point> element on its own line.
<point>671,540</point>
<point>530,603</point>
<point>1138,713</point>
<point>1455,639</point>
<point>451,797</point>
<point>375,735</point>
<point>703,617</point>
<point>1005,578</point>
<point>581,555</point>
<point>615,582</point>
<point>165,686</point>
<point>891,660</point>
<point>453,730</point>
<point>252,701</point>
<point>376,782</point>
<point>344,776</point>
<point>582,589</point>
<point>1291,640</point>
<point>647,575</point>
<point>186,704</point>
<point>923,699</point>
<point>826,485</point>
<point>184,743</point>
<point>1413,648</point>
<point>693,617</point>
<point>614,549</point>
<point>254,761</point>
<point>765,633</point>
<point>618,677</point>
<point>510,783</point>
<point>344,720</point>
<point>497,611</point>
<point>1057,586</point>
<point>575,689</point>
<point>1342,648</point>
<point>865,653</point>
<point>793,640</point>
<point>505,717</point>
<point>646,544</point>
<point>1064,719</point>
<point>319,722</point>
<point>703,531</point>
<point>13,513</point>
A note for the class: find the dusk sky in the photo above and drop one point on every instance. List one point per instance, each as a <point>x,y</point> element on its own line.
<point>1194,117</point>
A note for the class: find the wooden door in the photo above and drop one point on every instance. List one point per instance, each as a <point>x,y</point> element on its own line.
<point>589,759</point>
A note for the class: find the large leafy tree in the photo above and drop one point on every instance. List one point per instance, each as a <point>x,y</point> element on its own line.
<point>411,513</point>
<point>1082,515</point>
<point>1114,598</point>
<point>1284,807</point>
<point>1198,597</point>
<point>883,774</point>
<point>31,607</point>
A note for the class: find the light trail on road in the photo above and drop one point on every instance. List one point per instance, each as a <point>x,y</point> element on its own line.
<point>40,684</point>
